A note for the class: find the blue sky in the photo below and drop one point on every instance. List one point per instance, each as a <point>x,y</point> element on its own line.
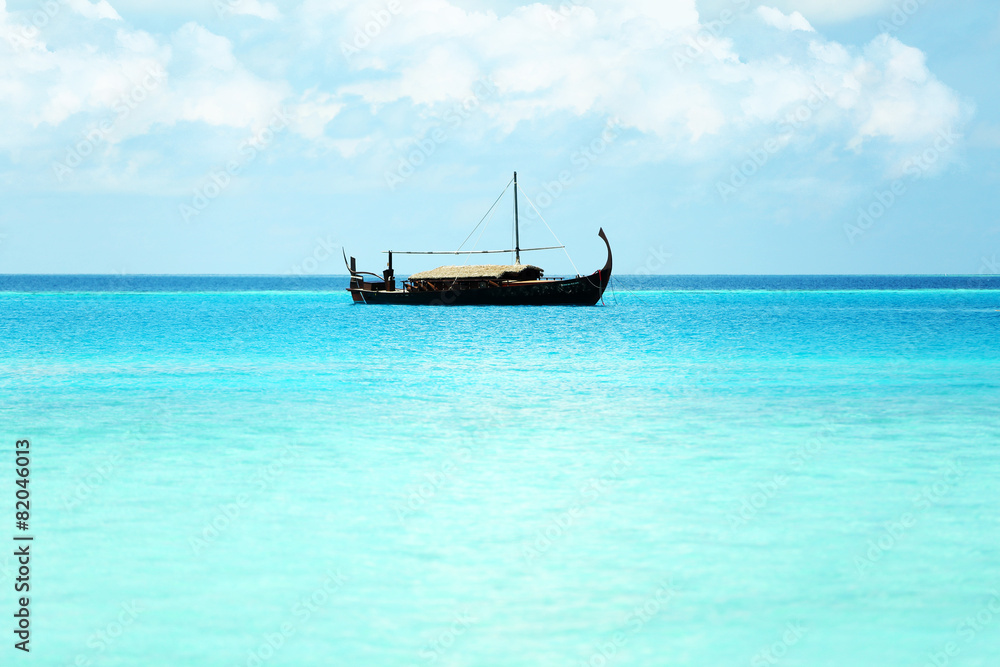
<point>724,136</point>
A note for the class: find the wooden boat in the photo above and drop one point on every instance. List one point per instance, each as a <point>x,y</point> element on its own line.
<point>481,285</point>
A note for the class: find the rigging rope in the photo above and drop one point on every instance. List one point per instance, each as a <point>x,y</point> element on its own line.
<point>476,244</point>
<point>553,234</point>
<point>490,213</point>
<point>484,216</point>
<point>621,285</point>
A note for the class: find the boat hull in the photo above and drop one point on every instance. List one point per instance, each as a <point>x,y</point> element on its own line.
<point>582,291</point>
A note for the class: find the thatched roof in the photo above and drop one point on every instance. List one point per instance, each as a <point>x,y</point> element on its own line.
<point>493,271</point>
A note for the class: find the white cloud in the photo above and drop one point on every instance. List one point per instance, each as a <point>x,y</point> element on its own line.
<point>906,104</point>
<point>205,49</point>
<point>837,11</point>
<point>313,111</point>
<point>264,10</point>
<point>128,83</point>
<point>657,69</point>
<point>101,10</point>
<point>794,21</point>
<point>685,88</point>
<point>665,14</point>
<point>48,86</point>
<point>441,75</point>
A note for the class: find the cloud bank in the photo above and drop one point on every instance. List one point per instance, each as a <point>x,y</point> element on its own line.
<point>689,86</point>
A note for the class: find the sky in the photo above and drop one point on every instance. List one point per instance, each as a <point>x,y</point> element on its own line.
<point>711,137</point>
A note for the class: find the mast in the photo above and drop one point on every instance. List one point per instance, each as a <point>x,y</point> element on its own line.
<point>517,232</point>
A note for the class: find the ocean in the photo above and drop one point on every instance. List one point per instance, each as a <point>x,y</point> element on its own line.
<point>704,470</point>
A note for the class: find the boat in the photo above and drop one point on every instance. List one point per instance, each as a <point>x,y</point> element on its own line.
<point>514,284</point>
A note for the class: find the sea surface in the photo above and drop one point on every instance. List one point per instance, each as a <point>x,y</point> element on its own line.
<point>708,471</point>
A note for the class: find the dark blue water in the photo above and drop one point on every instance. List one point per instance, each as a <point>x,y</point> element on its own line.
<point>144,283</point>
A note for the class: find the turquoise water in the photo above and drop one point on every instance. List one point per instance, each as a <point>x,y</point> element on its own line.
<point>704,477</point>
